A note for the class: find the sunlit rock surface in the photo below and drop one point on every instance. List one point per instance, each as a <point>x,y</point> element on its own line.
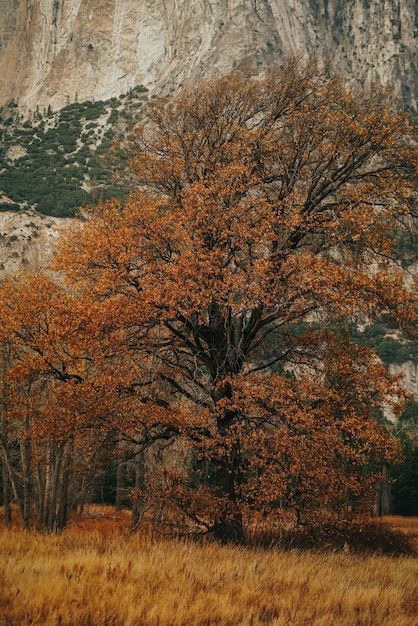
<point>56,51</point>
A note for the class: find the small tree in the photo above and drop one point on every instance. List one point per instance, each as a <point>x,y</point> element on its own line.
<point>47,433</point>
<point>263,212</point>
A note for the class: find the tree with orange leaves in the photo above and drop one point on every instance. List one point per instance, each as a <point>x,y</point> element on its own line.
<point>263,216</point>
<point>40,431</point>
<point>57,413</point>
<point>64,413</point>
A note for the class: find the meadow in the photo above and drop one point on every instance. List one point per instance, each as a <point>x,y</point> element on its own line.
<point>97,573</point>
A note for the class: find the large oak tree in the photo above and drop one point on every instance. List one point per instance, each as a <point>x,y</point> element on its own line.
<point>263,218</point>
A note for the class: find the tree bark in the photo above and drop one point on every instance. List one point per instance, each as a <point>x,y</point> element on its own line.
<point>62,502</point>
<point>120,485</point>
<point>137,511</point>
<point>7,509</point>
<point>25,455</point>
<point>228,527</point>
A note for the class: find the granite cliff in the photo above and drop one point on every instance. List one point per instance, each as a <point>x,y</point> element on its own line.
<point>56,51</point>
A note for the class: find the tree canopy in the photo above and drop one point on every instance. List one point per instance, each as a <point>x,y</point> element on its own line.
<point>213,303</point>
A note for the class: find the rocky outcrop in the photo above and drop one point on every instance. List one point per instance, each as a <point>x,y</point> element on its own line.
<point>409,372</point>
<point>28,241</point>
<point>55,51</point>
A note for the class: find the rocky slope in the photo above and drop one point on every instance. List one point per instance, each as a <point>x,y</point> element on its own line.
<point>28,241</point>
<point>56,51</point>
<point>409,371</point>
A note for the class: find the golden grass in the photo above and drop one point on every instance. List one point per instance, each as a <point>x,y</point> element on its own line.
<point>97,574</point>
<point>407,525</point>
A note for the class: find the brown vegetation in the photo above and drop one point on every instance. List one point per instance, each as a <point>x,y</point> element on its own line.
<point>96,573</point>
<point>406,525</point>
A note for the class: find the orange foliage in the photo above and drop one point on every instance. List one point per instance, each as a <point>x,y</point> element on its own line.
<point>263,214</point>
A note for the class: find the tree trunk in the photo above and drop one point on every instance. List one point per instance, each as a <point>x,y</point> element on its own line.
<point>7,510</point>
<point>228,527</point>
<point>55,490</point>
<point>25,455</point>
<point>120,484</point>
<point>62,501</point>
<point>13,486</point>
<point>40,496</point>
<point>52,485</point>
<point>7,487</point>
<point>137,509</point>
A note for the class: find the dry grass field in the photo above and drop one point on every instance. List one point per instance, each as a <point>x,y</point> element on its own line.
<point>96,573</point>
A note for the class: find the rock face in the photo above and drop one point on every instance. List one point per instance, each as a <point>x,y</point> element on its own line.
<point>28,241</point>
<point>409,371</point>
<point>55,51</point>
